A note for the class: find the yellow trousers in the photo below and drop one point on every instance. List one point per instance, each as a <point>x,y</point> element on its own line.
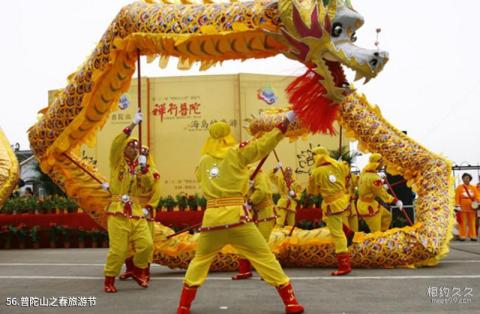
<point>380,221</point>
<point>266,228</point>
<point>335,225</point>
<point>248,241</point>
<point>353,222</point>
<point>286,217</point>
<point>467,218</point>
<point>122,231</point>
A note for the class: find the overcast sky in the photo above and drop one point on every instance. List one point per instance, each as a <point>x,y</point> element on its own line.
<point>430,87</point>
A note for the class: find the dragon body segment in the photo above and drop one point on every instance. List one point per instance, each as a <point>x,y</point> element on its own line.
<point>320,34</point>
<point>9,169</point>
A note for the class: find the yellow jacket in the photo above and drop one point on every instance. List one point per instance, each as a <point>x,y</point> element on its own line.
<point>370,186</point>
<point>261,197</point>
<point>128,179</point>
<point>328,180</point>
<point>228,177</point>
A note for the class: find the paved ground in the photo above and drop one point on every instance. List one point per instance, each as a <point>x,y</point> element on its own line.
<point>76,274</point>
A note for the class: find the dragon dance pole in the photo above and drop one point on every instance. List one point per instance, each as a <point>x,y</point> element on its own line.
<point>395,195</point>
<point>139,99</point>
<point>83,169</point>
<point>184,230</point>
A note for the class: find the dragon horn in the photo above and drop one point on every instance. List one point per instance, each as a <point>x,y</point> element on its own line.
<point>332,8</point>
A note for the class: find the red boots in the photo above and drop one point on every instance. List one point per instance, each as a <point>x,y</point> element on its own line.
<point>128,273</point>
<point>188,294</point>
<point>141,276</point>
<point>344,267</point>
<point>109,284</point>
<point>289,299</point>
<point>245,270</point>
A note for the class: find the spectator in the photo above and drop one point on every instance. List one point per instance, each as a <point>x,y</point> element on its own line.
<point>467,203</point>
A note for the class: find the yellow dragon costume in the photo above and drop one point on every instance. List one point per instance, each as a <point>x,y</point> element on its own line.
<point>319,34</point>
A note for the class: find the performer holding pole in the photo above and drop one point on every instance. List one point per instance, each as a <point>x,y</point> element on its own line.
<point>223,176</point>
<point>370,187</point>
<point>328,179</point>
<point>289,190</point>
<point>149,199</point>
<point>129,179</point>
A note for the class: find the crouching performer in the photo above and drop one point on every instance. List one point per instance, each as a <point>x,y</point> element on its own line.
<point>223,176</point>
<point>126,217</point>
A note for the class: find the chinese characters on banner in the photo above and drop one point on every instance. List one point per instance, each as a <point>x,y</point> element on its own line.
<point>185,107</point>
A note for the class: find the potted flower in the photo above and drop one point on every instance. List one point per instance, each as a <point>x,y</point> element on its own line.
<point>201,201</point>
<point>6,234</point>
<point>170,203</point>
<point>59,204</point>
<point>81,236</point>
<point>182,201</point>
<point>192,202</point>
<point>161,204</point>
<point>95,235</point>
<point>11,234</point>
<point>66,233</point>
<point>47,206</point>
<point>53,235</point>
<point>104,238</point>
<point>35,237</point>
<point>22,233</point>
<point>30,204</point>
<point>7,207</point>
<point>70,205</point>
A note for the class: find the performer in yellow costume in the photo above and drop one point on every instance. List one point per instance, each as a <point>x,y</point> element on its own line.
<point>130,178</point>
<point>352,187</point>
<point>371,190</point>
<point>149,199</point>
<point>261,202</point>
<point>328,179</point>
<point>289,192</point>
<point>223,176</point>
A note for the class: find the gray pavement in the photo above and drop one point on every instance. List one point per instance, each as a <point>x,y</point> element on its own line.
<point>63,277</point>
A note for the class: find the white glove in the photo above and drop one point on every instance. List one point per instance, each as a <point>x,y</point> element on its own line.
<point>385,186</point>
<point>146,212</point>
<point>292,194</point>
<point>142,160</point>
<point>123,103</point>
<point>291,116</point>
<point>382,175</point>
<point>105,186</point>
<point>399,204</point>
<point>138,118</point>
<point>278,166</point>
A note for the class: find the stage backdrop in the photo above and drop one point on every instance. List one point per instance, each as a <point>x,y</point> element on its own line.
<point>178,111</point>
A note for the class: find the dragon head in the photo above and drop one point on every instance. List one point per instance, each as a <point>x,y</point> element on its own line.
<point>321,34</point>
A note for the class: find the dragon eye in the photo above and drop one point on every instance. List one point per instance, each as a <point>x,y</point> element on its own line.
<point>337,29</point>
<point>353,38</point>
